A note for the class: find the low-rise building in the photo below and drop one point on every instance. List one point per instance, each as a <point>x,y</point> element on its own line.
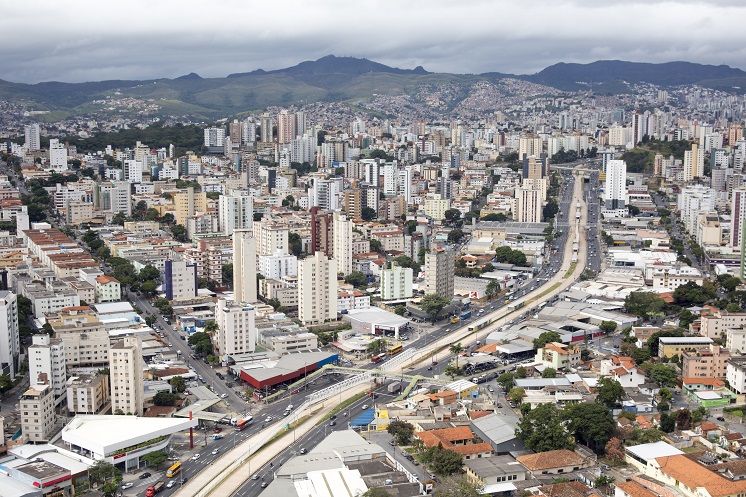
<point>717,325</point>
<point>108,289</point>
<point>37,412</point>
<point>671,346</point>
<point>87,394</point>
<point>554,462</point>
<point>705,362</point>
<point>668,279</point>
<point>292,342</point>
<point>494,474</point>
<point>558,355</point>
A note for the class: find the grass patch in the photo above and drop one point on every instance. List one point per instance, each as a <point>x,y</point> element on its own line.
<point>345,404</point>
<point>570,271</point>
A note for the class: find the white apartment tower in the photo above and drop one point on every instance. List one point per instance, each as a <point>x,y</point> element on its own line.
<point>33,137</point>
<point>244,266</point>
<point>278,266</point>
<point>439,270</point>
<point>57,155</point>
<point>405,184</point>
<point>342,243</point>
<point>236,330</point>
<point>271,236</point>
<point>396,283</point>
<point>47,356</point>
<point>235,211</point>
<point>126,367</point>
<point>9,335</point>
<point>317,289</point>
<point>616,184</point>
<point>528,205</point>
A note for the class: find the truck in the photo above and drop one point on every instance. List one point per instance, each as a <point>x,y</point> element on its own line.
<point>151,491</point>
<point>394,387</point>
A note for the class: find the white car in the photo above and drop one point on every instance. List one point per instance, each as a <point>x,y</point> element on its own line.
<point>224,396</point>
<point>214,452</point>
<point>365,406</point>
<point>195,457</point>
<point>128,485</point>
<point>268,419</point>
<point>171,484</point>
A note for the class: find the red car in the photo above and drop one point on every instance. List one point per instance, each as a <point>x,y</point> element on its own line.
<point>218,430</point>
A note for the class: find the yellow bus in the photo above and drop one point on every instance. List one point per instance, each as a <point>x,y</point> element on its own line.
<point>395,349</point>
<point>174,470</point>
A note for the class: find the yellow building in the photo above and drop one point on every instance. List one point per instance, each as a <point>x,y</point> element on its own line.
<point>186,203</point>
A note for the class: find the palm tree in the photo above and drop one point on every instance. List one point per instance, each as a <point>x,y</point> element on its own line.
<point>456,349</point>
<point>211,327</point>
<point>492,288</point>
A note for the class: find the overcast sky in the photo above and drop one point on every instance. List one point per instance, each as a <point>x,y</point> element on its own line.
<point>85,40</point>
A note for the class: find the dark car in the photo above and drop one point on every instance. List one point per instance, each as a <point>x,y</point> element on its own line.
<point>720,418</point>
<point>145,475</point>
<point>333,423</point>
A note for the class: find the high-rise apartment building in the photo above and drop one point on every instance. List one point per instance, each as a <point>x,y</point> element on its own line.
<point>57,155</point>
<point>265,128</point>
<point>32,135</point>
<point>738,216</point>
<point>694,163</point>
<point>179,279</point>
<point>244,266</point>
<point>47,356</point>
<point>235,211</point>
<point>214,137</point>
<point>9,335</point>
<point>528,205</point>
<point>326,193</point>
<point>126,367</point>
<point>236,330</point>
<point>271,236</point>
<point>439,270</point>
<point>616,184</point>
<point>342,243</point>
<point>396,282</point>
<point>187,203</point>
<point>278,265</point>
<point>317,289</point>
<point>285,126</point>
<point>534,167</point>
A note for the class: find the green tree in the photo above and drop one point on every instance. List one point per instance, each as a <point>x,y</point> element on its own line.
<point>521,372</point>
<point>155,458</point>
<point>667,422</point>
<point>227,273</point>
<point>432,304</point>
<point>686,317</point>
<point>457,486</point>
<point>545,338</point>
<point>603,480</point>
<point>683,419</point>
<point>516,394</point>
<point>295,244</point>
<point>610,392</point>
<point>357,279</point>
<point>608,326</point>
<point>456,349</point>
<point>505,380</point>
<point>401,431</point>
<point>446,462</point>
<point>375,245</point>
<point>662,374</point>
<point>148,273</point>
<point>178,384</point>
<point>102,472</point>
<point>148,287</point>
<point>643,304</point>
<point>400,310</point>
<point>493,287</point>
<point>693,294</point>
<point>201,342</point>
<point>368,214</point>
<point>164,399</point>
<point>590,422</point>
<point>179,232</point>
<point>549,373</point>
<point>452,371</point>
<point>455,236</point>
<point>543,429</point>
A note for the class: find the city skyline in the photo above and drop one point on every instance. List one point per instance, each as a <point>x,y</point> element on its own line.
<point>478,37</point>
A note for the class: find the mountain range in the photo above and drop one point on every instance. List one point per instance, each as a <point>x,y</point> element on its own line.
<point>346,79</point>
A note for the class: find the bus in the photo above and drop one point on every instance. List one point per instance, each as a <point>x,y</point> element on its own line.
<point>516,305</point>
<point>378,358</point>
<point>395,349</point>
<point>174,470</point>
<point>244,423</point>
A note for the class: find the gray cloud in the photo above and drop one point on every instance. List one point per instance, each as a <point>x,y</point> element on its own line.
<point>87,40</point>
